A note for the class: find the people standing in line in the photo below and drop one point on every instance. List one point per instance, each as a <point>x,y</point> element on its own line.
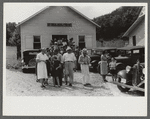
<point>41,66</point>
<point>69,65</point>
<point>112,68</point>
<point>104,66</point>
<point>60,59</point>
<point>84,61</point>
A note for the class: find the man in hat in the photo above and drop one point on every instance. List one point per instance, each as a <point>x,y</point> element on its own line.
<point>69,64</point>
<point>41,66</point>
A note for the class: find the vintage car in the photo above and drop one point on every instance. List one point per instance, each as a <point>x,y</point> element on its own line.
<point>29,61</point>
<point>129,56</point>
<point>132,78</point>
<point>96,56</point>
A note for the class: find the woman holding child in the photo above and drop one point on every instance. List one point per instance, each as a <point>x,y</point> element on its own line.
<point>58,56</point>
<point>56,71</point>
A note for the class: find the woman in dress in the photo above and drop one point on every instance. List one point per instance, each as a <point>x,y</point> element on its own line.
<point>104,65</point>
<point>84,61</point>
<point>41,66</point>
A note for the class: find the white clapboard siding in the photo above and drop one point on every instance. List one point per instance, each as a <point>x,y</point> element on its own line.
<point>29,42</point>
<point>88,40</point>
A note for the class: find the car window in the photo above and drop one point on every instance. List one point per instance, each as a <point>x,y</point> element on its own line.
<point>128,52</point>
<point>112,51</point>
<point>136,51</point>
<point>98,52</point>
<point>124,53</point>
<point>121,52</point>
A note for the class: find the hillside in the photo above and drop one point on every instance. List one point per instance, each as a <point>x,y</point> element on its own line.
<point>115,24</point>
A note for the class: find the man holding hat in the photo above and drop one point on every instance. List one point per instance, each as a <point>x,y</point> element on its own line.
<point>69,64</point>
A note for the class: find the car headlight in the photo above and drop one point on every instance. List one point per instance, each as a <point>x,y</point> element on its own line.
<point>90,65</point>
<point>128,68</point>
<point>93,61</point>
<point>22,62</point>
<point>143,71</point>
<point>99,62</point>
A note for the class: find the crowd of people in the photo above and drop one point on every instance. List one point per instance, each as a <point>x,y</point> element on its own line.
<point>61,66</point>
<point>52,62</point>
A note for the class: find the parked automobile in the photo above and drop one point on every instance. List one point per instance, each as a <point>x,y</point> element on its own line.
<point>96,56</point>
<point>132,77</point>
<point>129,56</point>
<point>29,61</point>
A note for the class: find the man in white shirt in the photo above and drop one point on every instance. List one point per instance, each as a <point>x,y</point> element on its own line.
<point>69,64</point>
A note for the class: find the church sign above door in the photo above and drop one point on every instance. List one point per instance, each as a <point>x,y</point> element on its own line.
<point>59,24</point>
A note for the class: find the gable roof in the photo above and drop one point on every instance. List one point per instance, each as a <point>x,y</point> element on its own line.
<point>139,19</point>
<point>66,6</point>
<point>133,25</point>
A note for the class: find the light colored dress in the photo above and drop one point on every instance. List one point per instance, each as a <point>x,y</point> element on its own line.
<point>84,63</point>
<point>103,65</point>
<point>41,66</point>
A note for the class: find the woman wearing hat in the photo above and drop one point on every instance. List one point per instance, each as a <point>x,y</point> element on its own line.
<point>84,61</point>
<point>41,66</point>
<point>69,60</point>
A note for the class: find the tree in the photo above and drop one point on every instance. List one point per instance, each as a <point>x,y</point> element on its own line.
<point>13,37</point>
<point>115,24</point>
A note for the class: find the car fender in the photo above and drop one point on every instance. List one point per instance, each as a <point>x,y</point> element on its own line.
<point>122,74</point>
<point>120,66</point>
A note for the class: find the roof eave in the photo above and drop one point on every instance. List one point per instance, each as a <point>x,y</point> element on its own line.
<point>133,25</point>
<point>84,16</point>
<point>48,7</point>
<point>32,16</point>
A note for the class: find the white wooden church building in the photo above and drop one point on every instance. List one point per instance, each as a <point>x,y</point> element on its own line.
<point>54,22</point>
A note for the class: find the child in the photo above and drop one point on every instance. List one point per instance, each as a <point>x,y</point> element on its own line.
<point>112,67</point>
<point>56,70</point>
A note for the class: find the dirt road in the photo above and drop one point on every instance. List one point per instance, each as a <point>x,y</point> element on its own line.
<point>21,84</point>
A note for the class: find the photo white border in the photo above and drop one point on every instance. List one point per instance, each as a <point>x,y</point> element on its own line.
<point>74,105</point>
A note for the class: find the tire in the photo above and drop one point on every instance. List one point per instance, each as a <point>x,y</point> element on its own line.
<point>122,88</point>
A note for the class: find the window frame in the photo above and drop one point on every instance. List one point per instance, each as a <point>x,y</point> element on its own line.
<point>36,42</point>
<point>134,40</point>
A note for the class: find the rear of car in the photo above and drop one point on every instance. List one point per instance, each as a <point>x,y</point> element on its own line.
<point>29,60</point>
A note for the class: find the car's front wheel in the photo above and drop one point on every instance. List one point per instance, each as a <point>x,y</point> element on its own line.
<point>124,81</point>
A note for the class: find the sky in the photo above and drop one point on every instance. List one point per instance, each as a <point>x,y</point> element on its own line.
<point>17,12</point>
